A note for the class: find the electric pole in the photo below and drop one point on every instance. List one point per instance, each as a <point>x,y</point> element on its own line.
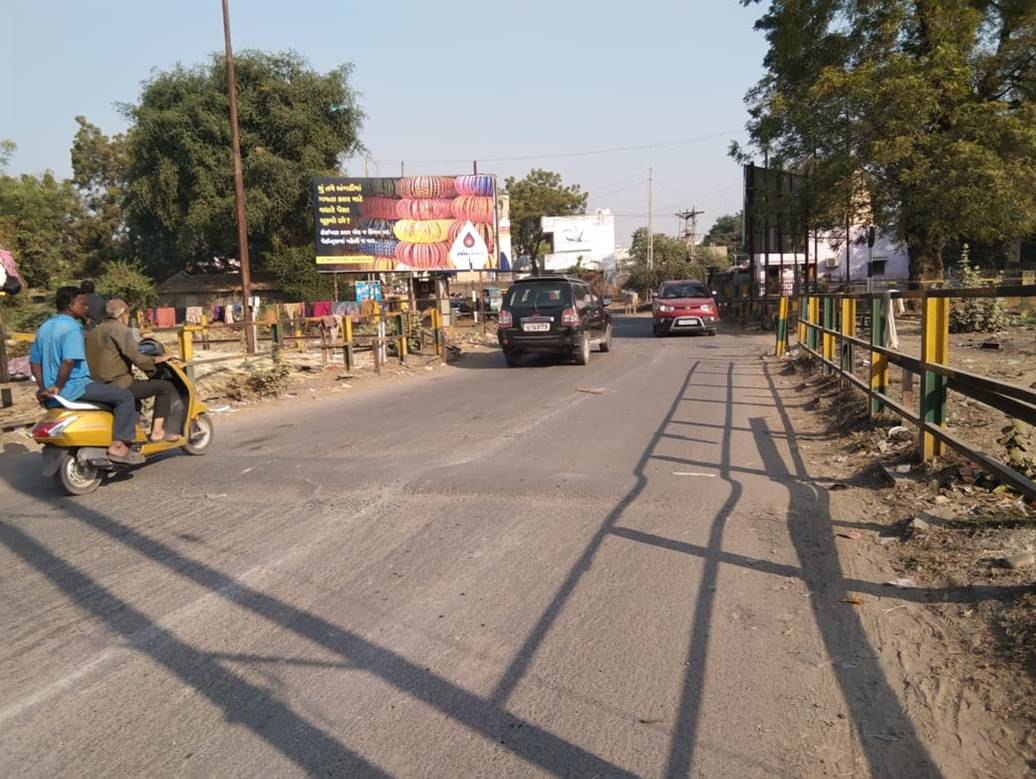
<point>651,234</point>
<point>239,184</point>
<point>689,235</point>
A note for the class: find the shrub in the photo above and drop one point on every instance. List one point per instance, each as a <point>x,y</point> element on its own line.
<point>976,315</point>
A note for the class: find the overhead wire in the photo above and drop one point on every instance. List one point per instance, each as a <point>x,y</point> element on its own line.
<point>589,153</point>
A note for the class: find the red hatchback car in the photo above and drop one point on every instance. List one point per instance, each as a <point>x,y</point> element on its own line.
<point>684,306</point>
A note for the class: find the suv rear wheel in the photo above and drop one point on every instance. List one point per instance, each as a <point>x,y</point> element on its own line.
<point>606,344</point>
<point>582,352</point>
<point>512,358</point>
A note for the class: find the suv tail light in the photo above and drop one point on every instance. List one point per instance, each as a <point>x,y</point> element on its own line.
<point>569,318</point>
<point>504,318</point>
<point>52,429</point>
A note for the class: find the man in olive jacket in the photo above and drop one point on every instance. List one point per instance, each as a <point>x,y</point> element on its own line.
<point>111,352</point>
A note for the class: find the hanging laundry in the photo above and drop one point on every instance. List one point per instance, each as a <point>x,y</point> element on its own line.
<point>228,315</point>
<point>307,309</point>
<point>322,308</point>
<point>194,314</point>
<point>165,317</point>
<point>292,310</point>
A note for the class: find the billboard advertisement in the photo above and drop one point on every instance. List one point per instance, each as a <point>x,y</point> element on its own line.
<point>774,210</point>
<point>413,223</point>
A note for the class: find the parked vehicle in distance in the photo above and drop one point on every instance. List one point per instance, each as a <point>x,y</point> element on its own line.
<point>553,315</point>
<point>684,306</point>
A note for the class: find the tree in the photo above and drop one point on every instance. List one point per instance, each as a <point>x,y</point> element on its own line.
<point>726,231</point>
<point>539,194</point>
<point>917,116</point>
<point>37,220</point>
<point>670,261</point>
<point>295,124</point>
<point>99,165</point>
<point>127,281</point>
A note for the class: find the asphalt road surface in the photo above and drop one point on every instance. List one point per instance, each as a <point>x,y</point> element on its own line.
<point>478,572</point>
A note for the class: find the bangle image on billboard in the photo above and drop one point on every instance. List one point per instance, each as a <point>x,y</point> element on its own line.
<point>413,223</point>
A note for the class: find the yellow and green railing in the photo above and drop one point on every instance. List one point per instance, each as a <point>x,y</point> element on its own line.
<point>827,332</point>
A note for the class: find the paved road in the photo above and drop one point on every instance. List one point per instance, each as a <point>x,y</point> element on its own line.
<point>479,572</point>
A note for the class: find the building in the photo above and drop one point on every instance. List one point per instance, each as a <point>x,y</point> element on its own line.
<point>585,241</point>
<point>886,261</point>
<point>214,289</point>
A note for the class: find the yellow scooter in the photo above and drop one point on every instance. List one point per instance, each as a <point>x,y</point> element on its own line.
<point>76,436</point>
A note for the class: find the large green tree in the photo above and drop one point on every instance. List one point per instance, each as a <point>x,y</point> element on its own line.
<point>38,216</point>
<point>917,115</point>
<point>539,194</point>
<point>295,124</point>
<point>99,166</point>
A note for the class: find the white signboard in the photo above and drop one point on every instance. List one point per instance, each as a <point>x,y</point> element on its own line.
<point>469,250</point>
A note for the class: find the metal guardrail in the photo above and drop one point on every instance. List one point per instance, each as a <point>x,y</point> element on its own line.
<point>827,329</point>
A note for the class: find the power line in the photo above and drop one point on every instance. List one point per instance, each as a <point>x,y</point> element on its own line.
<point>612,150</point>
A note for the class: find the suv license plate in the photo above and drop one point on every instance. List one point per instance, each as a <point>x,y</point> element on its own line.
<point>536,327</point>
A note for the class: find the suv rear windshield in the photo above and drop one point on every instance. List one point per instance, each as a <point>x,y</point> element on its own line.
<point>546,295</point>
<point>685,291</point>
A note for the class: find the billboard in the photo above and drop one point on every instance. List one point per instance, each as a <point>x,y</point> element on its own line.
<point>775,211</point>
<point>414,223</point>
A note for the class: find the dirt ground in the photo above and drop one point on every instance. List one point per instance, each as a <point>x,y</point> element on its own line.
<point>963,639</point>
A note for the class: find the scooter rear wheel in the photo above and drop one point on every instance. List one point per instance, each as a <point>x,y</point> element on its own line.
<point>77,478</point>
<point>199,435</point>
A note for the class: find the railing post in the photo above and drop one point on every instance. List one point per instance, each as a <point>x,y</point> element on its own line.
<point>347,322</point>
<point>813,336</point>
<point>879,362</point>
<point>782,326</point>
<point>847,326</point>
<point>402,337</point>
<point>803,330</point>
<point>935,328</point>
<point>297,332</point>
<point>205,332</point>
<point>828,338</point>
<point>186,343</point>
<point>275,342</point>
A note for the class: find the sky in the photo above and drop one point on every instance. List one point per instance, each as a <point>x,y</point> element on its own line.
<point>516,85</point>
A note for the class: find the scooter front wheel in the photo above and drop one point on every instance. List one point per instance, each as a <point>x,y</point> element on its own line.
<point>77,478</point>
<point>199,435</point>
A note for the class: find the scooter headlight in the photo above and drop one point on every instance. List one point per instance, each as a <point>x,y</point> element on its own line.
<point>52,429</point>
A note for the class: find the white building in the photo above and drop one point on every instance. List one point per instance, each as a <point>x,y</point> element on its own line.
<point>886,260</point>
<point>587,241</point>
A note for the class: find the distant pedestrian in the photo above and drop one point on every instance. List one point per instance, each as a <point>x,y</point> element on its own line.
<point>95,305</point>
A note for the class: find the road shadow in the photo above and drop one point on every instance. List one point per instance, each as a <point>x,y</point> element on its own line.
<point>312,749</point>
<point>885,733</point>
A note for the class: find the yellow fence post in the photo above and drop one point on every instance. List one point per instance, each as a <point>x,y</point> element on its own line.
<point>847,326</point>
<point>185,336</point>
<point>782,326</point>
<point>934,349</point>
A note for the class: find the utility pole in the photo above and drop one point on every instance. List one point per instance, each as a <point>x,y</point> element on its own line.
<point>239,185</point>
<point>651,234</point>
<point>689,235</point>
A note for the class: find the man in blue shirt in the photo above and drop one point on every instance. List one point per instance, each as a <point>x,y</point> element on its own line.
<point>58,364</point>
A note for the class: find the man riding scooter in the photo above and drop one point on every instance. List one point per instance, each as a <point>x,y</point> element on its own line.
<point>58,364</point>
<point>111,352</point>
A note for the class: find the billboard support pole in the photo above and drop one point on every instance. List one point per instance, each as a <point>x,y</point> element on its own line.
<point>239,184</point>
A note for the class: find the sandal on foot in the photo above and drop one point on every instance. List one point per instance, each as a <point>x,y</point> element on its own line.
<point>132,457</point>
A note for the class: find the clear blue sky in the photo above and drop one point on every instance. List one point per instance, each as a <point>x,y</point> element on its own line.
<point>440,81</point>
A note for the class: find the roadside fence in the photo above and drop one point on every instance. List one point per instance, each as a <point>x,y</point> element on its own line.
<point>828,329</point>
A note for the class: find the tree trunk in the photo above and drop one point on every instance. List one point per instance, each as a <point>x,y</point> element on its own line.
<point>926,259</point>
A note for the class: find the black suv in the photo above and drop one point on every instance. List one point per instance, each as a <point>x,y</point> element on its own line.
<point>553,315</point>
